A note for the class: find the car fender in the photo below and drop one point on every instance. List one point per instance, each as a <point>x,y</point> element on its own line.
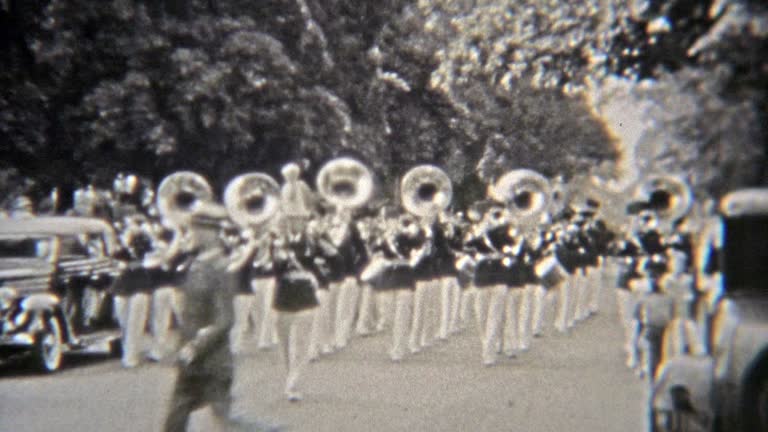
<point>40,302</point>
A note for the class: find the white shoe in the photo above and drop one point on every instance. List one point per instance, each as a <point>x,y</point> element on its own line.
<point>414,348</point>
<point>489,359</point>
<point>293,396</point>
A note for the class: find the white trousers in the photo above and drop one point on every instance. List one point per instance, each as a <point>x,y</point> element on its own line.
<point>321,336</point>
<point>563,305</point>
<point>450,297</point>
<point>401,323</point>
<point>511,335</point>
<point>385,308</point>
<point>489,308</point>
<point>167,303</point>
<point>681,337</point>
<point>365,314</point>
<point>538,309</point>
<point>524,317</point>
<point>265,294</point>
<point>423,326</point>
<point>346,307</point>
<point>293,329</point>
<point>132,312</point>
<point>468,298</point>
<point>244,307</point>
<point>581,293</point>
<point>624,302</point>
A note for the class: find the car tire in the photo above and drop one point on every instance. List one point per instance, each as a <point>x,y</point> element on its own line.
<point>49,345</point>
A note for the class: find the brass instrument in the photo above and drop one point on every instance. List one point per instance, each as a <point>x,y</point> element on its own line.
<point>181,196</point>
<point>345,182</point>
<point>252,199</point>
<point>426,190</point>
<point>525,192</point>
<point>668,196</point>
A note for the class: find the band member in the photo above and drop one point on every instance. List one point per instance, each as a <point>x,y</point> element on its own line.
<point>374,232</point>
<point>168,263</point>
<point>655,310</point>
<point>124,201</point>
<point>600,239</point>
<point>345,237</point>
<point>133,288</point>
<point>682,335</point>
<point>251,263</point>
<point>427,289</point>
<point>297,201</point>
<point>322,335</point>
<point>491,276</point>
<point>628,253</point>
<point>587,260</point>
<point>517,311</point>
<point>453,227</point>
<point>404,246</point>
<point>567,252</point>
<point>297,265</point>
<point>533,293</point>
<point>541,242</point>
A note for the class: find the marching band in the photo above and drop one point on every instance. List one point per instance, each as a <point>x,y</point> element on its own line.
<point>307,269</point>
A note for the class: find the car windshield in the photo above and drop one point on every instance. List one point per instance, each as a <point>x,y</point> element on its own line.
<point>24,248</point>
<point>746,254</point>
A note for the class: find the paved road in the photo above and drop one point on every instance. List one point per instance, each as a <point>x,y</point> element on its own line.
<point>570,383</point>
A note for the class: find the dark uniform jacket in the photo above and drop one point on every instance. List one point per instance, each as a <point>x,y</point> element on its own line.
<point>208,294</point>
<point>399,274</point>
<point>299,268</point>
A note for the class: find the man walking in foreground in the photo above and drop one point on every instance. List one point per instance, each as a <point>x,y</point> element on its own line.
<point>205,363</point>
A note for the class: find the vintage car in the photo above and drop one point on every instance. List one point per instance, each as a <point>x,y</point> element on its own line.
<point>54,279</point>
<point>726,389</point>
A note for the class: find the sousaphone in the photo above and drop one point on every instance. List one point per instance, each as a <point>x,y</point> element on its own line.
<point>525,192</point>
<point>426,190</point>
<point>345,183</point>
<point>668,196</point>
<point>181,196</point>
<point>252,199</point>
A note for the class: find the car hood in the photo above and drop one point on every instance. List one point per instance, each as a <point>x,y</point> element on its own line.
<point>751,306</point>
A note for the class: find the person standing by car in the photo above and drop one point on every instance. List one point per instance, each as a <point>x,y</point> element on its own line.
<point>132,289</point>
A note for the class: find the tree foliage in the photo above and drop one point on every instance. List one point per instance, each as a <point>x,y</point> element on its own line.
<point>478,87</point>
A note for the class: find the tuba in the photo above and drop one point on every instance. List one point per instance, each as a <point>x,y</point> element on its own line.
<point>668,196</point>
<point>345,182</point>
<point>252,199</point>
<point>425,190</point>
<point>181,196</point>
<point>526,193</point>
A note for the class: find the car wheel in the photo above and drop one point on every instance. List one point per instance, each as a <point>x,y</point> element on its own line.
<point>50,345</point>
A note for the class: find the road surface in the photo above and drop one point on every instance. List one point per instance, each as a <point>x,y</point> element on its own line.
<point>571,383</point>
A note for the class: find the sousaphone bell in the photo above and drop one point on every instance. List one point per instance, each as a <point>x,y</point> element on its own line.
<point>525,192</point>
<point>183,196</point>
<point>345,183</point>
<point>252,199</point>
<point>426,190</point>
<point>668,196</point>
